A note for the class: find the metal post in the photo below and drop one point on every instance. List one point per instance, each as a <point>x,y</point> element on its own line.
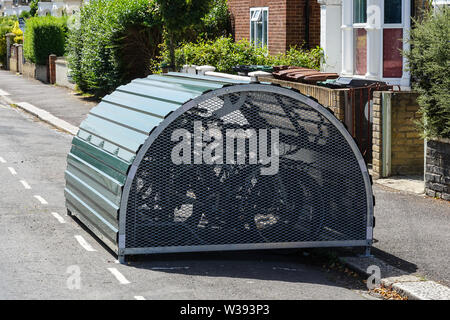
<point>367,252</point>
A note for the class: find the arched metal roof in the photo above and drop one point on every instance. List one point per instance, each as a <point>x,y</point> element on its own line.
<point>110,137</point>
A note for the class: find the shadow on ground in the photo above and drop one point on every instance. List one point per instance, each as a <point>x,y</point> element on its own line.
<point>293,266</point>
<point>316,266</point>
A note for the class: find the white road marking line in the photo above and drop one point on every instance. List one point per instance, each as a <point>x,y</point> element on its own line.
<point>84,243</point>
<point>139,297</point>
<point>11,169</point>
<point>3,93</point>
<point>119,276</point>
<point>25,184</point>
<point>2,160</point>
<point>40,199</point>
<point>58,217</point>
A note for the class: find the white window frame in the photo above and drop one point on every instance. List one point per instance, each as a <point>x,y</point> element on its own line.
<point>357,25</point>
<point>374,42</point>
<point>265,25</point>
<point>393,26</point>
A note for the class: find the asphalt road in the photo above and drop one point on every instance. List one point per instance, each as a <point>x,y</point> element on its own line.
<point>45,254</point>
<point>413,233</point>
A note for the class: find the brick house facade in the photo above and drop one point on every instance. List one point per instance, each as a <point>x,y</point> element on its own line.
<point>290,22</point>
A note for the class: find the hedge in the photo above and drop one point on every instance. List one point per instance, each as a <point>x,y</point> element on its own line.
<point>113,42</point>
<point>429,64</point>
<point>224,53</point>
<point>44,36</point>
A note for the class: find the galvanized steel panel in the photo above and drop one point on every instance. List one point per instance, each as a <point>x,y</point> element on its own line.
<point>109,138</point>
<point>124,146</point>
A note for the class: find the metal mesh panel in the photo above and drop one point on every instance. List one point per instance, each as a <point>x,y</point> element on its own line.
<point>317,194</point>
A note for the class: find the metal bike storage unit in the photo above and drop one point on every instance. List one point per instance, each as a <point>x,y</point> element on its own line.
<point>179,163</point>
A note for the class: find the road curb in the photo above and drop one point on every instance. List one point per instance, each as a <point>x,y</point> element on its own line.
<point>46,117</point>
<point>413,287</point>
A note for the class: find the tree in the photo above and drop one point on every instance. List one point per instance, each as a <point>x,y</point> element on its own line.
<point>25,15</point>
<point>34,8</point>
<point>217,22</point>
<point>428,62</point>
<point>178,16</point>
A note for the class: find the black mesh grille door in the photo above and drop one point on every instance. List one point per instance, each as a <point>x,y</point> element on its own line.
<point>293,178</point>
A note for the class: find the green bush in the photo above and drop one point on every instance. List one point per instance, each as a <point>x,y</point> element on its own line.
<point>113,42</point>
<point>429,64</point>
<point>25,14</point>
<point>18,32</point>
<point>300,58</point>
<point>44,36</point>
<point>6,26</point>
<point>223,53</point>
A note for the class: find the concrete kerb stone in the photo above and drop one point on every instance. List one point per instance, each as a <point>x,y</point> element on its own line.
<point>423,290</point>
<point>45,116</point>
<point>411,286</point>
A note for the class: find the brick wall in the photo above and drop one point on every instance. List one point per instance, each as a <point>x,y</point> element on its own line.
<point>404,153</point>
<point>406,144</point>
<point>437,172</point>
<point>286,22</point>
<point>314,24</point>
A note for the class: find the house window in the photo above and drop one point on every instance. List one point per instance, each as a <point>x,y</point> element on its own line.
<point>392,57</point>
<point>359,11</point>
<point>374,33</point>
<point>392,39</point>
<point>392,11</point>
<point>258,26</point>
<point>360,36</point>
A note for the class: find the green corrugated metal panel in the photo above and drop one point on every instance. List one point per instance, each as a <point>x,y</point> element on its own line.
<point>110,137</point>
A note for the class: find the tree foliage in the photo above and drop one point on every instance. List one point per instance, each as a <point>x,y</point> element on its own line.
<point>19,34</point>
<point>216,23</point>
<point>224,53</point>
<point>25,14</point>
<point>34,6</point>
<point>429,64</point>
<point>6,26</point>
<point>178,16</point>
<point>113,42</point>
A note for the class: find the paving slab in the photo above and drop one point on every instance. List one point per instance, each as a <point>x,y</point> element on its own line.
<point>412,184</point>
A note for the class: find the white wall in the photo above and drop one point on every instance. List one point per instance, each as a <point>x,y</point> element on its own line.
<point>330,34</point>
